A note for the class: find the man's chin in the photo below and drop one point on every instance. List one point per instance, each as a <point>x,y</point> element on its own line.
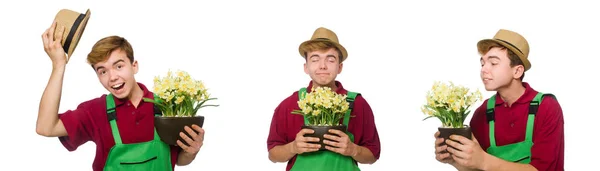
<point>324,83</point>
<point>489,88</point>
<point>119,95</point>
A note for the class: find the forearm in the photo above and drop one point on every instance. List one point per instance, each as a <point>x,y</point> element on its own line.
<point>364,155</point>
<point>281,153</point>
<point>462,168</point>
<point>493,163</point>
<point>48,123</point>
<point>185,158</point>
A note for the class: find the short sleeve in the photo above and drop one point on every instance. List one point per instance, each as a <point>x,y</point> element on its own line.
<point>370,136</point>
<point>547,152</point>
<point>277,129</point>
<point>78,125</point>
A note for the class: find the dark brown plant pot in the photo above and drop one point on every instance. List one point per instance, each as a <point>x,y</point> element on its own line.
<point>320,131</point>
<point>446,132</point>
<point>168,128</point>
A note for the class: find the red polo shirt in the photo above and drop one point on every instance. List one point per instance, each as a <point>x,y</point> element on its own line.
<point>547,152</point>
<point>89,122</point>
<point>285,126</point>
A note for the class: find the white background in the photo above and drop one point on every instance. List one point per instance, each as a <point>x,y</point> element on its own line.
<point>247,54</point>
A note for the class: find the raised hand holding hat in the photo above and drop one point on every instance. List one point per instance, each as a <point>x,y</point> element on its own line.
<point>74,24</point>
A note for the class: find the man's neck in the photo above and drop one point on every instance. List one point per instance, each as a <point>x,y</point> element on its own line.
<point>512,92</point>
<point>136,95</point>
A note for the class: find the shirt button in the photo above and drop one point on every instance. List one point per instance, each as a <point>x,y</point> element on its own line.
<point>133,113</point>
<point>137,123</point>
<point>512,125</point>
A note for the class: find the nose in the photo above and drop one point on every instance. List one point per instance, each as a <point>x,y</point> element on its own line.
<point>112,76</point>
<point>323,64</point>
<point>484,69</point>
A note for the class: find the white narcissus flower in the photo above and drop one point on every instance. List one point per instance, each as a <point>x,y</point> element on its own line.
<point>323,105</point>
<point>175,89</point>
<point>446,99</point>
<point>179,99</point>
<point>316,112</point>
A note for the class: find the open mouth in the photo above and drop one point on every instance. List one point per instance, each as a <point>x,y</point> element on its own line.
<point>118,86</point>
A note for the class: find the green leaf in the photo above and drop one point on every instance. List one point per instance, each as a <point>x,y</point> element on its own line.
<point>201,105</point>
<point>151,100</point>
<point>428,117</point>
<point>209,105</point>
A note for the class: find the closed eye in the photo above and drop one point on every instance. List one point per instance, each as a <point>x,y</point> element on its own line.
<point>331,59</point>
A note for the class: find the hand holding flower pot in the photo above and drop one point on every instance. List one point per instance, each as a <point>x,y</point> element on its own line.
<point>178,97</point>
<point>450,103</point>
<point>323,110</point>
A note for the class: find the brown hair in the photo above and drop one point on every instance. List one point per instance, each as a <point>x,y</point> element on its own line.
<point>107,45</point>
<point>513,57</point>
<point>320,46</point>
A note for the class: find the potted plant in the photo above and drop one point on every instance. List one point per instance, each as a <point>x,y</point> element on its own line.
<point>178,97</point>
<point>450,103</point>
<point>322,109</point>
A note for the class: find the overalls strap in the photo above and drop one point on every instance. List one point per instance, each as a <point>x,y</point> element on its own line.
<point>111,111</point>
<point>533,109</point>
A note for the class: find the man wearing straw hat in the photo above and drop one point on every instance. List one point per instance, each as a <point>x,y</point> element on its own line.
<point>518,128</point>
<point>121,124</point>
<point>286,142</point>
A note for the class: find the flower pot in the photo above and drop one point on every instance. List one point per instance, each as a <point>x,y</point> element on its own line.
<point>168,128</point>
<point>446,132</point>
<point>320,131</point>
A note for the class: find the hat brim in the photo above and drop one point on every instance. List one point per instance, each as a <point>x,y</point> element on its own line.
<point>337,45</point>
<point>484,45</point>
<point>77,32</point>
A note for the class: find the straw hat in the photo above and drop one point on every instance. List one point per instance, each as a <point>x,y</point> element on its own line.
<point>74,23</point>
<point>326,35</point>
<point>511,40</point>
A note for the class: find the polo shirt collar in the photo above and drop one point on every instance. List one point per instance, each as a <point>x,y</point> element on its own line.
<point>147,94</point>
<point>525,98</point>
<point>340,88</point>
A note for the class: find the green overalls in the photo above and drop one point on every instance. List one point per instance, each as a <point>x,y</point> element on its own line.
<point>517,152</point>
<point>327,160</point>
<point>144,156</point>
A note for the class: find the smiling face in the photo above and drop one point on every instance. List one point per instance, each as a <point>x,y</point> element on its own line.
<point>117,74</point>
<point>323,66</point>
<point>498,70</point>
<point>112,60</point>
